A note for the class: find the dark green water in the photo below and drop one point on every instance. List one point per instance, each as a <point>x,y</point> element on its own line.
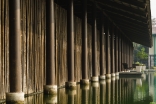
<point>112,91</point>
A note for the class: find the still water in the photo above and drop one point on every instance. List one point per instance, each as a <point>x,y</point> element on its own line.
<point>112,91</point>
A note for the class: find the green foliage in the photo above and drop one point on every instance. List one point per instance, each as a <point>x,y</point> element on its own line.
<point>142,54</point>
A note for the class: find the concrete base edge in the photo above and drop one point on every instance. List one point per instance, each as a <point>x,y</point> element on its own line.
<point>84,81</point>
<point>50,89</point>
<point>70,85</point>
<point>95,79</point>
<point>117,73</point>
<point>108,76</point>
<point>15,97</point>
<point>102,77</point>
<point>113,74</point>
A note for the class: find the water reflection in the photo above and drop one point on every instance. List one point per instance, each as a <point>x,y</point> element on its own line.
<point>109,91</point>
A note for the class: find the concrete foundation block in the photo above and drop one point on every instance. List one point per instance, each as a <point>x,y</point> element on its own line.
<point>84,81</point>
<point>13,98</point>
<point>95,79</point>
<point>50,89</point>
<point>70,85</point>
<point>102,77</point>
<point>108,76</point>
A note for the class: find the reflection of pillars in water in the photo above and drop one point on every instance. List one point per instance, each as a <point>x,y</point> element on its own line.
<point>102,92</point>
<point>85,94</point>
<point>119,91</point>
<point>116,91</point>
<point>108,91</point>
<point>122,91</point>
<point>71,94</point>
<point>50,99</point>
<point>113,90</point>
<point>95,93</point>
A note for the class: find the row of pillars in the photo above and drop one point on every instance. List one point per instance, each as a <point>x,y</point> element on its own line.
<point>115,49</point>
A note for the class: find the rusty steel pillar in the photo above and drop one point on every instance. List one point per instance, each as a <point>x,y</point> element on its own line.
<point>94,47</point>
<point>108,74</point>
<point>112,52</point>
<point>70,45</point>
<point>116,53</point>
<point>15,71</point>
<point>85,79</point>
<point>119,53</point>
<point>102,50</point>
<point>50,87</point>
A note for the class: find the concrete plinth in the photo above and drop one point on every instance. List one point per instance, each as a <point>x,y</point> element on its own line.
<point>50,99</point>
<point>108,76</point>
<point>117,73</point>
<point>12,98</point>
<point>84,81</point>
<point>102,77</point>
<point>95,79</point>
<point>70,85</point>
<point>50,89</point>
<point>113,75</point>
<point>95,84</point>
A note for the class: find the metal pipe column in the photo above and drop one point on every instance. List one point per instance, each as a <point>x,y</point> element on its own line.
<point>116,53</point>
<point>102,50</point>
<point>70,44</point>
<point>50,87</point>
<point>15,70</point>
<point>112,52</point>
<point>94,46</point>
<point>108,75</point>
<point>119,53</point>
<point>85,79</point>
<point>15,46</point>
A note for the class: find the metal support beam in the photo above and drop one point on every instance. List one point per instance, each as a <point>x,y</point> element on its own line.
<point>102,50</point>
<point>15,70</point>
<point>112,52</point>
<point>50,43</point>
<point>94,46</point>
<point>50,87</point>
<point>108,74</point>
<point>70,40</point>
<point>116,52</point>
<point>119,53</point>
<point>15,46</point>
<point>70,45</point>
<point>84,43</point>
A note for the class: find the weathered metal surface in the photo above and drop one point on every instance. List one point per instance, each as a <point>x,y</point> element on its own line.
<point>70,40</point>
<point>116,51</point>
<point>112,50</point>
<point>102,48</point>
<point>15,46</point>
<point>94,42</point>
<point>107,49</point>
<point>84,41</point>
<point>50,43</point>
